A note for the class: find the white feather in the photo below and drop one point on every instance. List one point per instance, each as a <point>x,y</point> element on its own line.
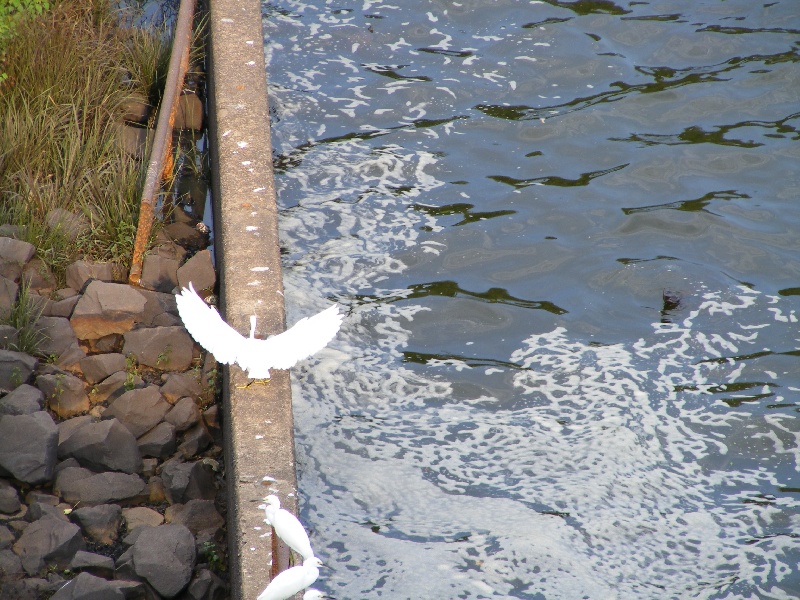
<point>257,357</point>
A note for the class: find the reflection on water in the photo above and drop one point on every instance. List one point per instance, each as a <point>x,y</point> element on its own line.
<point>567,234</point>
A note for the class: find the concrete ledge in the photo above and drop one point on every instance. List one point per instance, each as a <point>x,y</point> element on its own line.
<point>258,420</point>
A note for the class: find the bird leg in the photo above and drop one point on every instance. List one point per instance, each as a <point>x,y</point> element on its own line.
<point>263,381</point>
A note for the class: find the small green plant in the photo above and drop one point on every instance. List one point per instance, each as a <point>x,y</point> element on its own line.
<point>163,356</point>
<point>210,554</point>
<point>131,372</point>
<point>24,315</point>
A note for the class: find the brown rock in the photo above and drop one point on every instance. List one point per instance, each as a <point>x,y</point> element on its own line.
<point>159,273</point>
<point>198,270</point>
<point>196,515</point>
<point>189,114</point>
<point>165,348</point>
<point>81,271</point>
<point>139,410</point>
<point>65,394</point>
<point>106,308</point>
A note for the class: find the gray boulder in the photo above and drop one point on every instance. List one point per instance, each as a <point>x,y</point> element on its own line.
<point>60,340</point>
<point>113,387</point>
<point>81,271</point>
<point>98,367</point>
<point>205,586</point>
<point>139,410</point>
<point>65,394</point>
<point>196,515</point>
<point>9,498</point>
<point>184,414</point>
<point>103,446</point>
<point>89,587</point>
<point>15,369</point>
<point>159,442</point>
<point>99,523</point>
<point>165,556</point>
<point>106,308</point>
<point>178,385</point>
<point>78,485</point>
<point>187,481</point>
<point>95,564</point>
<point>199,271</point>
<point>165,348</point>
<point>28,447</point>
<point>24,400</point>
<point>15,251</point>
<point>47,542</point>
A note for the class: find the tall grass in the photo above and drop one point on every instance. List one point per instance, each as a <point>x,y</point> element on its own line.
<point>70,73</point>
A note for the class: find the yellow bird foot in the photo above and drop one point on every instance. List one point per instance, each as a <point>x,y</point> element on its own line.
<point>253,381</point>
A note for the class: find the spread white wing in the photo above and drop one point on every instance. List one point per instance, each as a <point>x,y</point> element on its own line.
<point>308,336</point>
<point>207,328</point>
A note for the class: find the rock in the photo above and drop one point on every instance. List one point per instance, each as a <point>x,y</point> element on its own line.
<point>189,113</point>
<point>195,440</point>
<point>60,337</point>
<point>159,442</point>
<point>137,109</point>
<point>134,141</point>
<point>141,516</point>
<point>98,367</point>
<point>15,251</point>
<point>61,308</point>
<point>199,271</point>
<point>81,271</point>
<point>24,400</point>
<point>186,236</point>
<point>94,564</point>
<point>103,446</point>
<point>196,515</point>
<point>139,410</point>
<point>188,481</point>
<point>107,343</point>
<point>9,498</point>
<point>89,587</point>
<point>114,386</point>
<point>184,414</point>
<point>38,277</point>
<point>160,310</point>
<point>165,348</point>
<point>99,523</point>
<point>8,295</point>
<point>159,273</point>
<point>7,538</point>
<point>165,556</point>
<point>205,586</point>
<point>72,225</point>
<point>78,485</point>
<point>178,385</point>
<point>37,510</point>
<point>106,308</point>
<point>10,570</point>
<point>15,369</point>
<point>47,542</point>
<point>28,447</point>
<point>65,394</point>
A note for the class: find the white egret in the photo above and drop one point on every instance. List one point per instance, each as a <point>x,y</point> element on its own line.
<point>287,527</point>
<point>308,336</point>
<point>287,583</point>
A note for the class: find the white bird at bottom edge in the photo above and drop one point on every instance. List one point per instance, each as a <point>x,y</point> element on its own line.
<point>282,351</point>
<point>287,583</point>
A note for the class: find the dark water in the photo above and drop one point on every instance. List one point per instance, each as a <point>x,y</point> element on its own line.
<point>568,237</point>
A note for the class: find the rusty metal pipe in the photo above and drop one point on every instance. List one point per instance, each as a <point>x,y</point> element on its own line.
<point>162,143</point>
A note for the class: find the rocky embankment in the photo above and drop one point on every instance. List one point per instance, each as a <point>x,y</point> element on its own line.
<point>110,454</point>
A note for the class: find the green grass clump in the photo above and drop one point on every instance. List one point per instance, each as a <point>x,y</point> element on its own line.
<point>70,72</point>
<point>23,317</point>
